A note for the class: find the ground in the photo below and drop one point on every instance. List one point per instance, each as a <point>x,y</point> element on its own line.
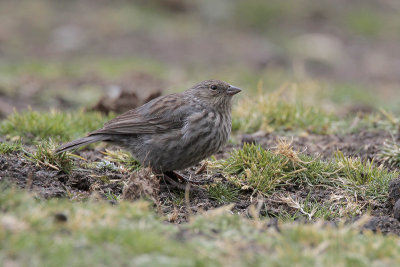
<point>311,170</point>
<point>110,181</point>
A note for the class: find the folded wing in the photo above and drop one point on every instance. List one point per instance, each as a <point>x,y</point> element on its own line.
<point>159,115</point>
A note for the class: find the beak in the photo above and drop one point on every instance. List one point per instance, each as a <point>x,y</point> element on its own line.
<point>232,90</point>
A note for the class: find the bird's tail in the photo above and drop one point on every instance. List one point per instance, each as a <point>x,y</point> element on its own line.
<point>80,142</point>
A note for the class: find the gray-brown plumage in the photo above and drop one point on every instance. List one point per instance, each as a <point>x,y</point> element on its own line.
<point>172,132</point>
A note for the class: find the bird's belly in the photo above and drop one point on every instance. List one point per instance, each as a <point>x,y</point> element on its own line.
<point>169,151</point>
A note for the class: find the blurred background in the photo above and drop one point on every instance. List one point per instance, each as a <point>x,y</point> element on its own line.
<point>69,54</point>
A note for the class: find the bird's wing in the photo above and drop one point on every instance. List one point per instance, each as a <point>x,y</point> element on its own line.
<point>159,115</point>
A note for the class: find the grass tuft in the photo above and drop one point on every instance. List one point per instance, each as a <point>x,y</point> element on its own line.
<point>8,148</point>
<point>363,177</point>
<point>309,208</point>
<point>45,156</point>
<point>359,171</point>
<point>390,153</point>
<point>223,193</point>
<point>285,148</point>
<point>265,171</point>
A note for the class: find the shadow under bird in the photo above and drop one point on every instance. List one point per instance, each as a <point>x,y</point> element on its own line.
<point>171,132</point>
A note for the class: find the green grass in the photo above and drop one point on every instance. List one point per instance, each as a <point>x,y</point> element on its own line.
<point>350,93</point>
<point>97,233</point>
<point>279,111</point>
<point>266,171</point>
<point>359,172</point>
<point>8,148</point>
<point>310,209</point>
<point>178,198</point>
<point>298,108</point>
<point>260,15</point>
<point>281,117</point>
<point>33,126</point>
<point>364,21</point>
<point>105,67</point>
<point>390,153</point>
<point>223,193</point>
<point>45,156</point>
<point>381,120</point>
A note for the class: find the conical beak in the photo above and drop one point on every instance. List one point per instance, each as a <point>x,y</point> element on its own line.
<point>232,90</point>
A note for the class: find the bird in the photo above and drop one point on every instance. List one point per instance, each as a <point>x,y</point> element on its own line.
<point>171,132</point>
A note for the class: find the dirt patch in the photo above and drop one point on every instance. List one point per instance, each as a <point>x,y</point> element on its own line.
<point>141,184</point>
<point>132,91</point>
<point>49,183</point>
<point>383,224</point>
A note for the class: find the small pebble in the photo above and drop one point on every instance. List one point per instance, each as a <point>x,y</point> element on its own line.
<point>60,217</point>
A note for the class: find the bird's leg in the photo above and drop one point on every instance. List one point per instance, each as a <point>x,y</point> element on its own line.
<point>173,182</point>
<point>180,177</point>
<point>173,179</point>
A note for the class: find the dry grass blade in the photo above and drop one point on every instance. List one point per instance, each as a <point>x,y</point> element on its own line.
<point>285,148</point>
<point>297,205</point>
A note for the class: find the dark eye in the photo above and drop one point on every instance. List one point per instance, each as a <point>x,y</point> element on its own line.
<point>213,87</point>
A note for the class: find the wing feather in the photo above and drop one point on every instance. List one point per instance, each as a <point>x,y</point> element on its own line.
<point>159,115</point>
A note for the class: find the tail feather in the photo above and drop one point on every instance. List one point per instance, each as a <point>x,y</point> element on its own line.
<point>80,142</point>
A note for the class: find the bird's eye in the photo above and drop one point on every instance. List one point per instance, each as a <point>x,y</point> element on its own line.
<point>213,87</point>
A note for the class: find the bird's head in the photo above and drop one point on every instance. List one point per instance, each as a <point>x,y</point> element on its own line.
<point>214,92</point>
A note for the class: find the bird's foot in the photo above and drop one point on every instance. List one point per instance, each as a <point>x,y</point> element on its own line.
<point>180,177</point>
<point>181,182</point>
